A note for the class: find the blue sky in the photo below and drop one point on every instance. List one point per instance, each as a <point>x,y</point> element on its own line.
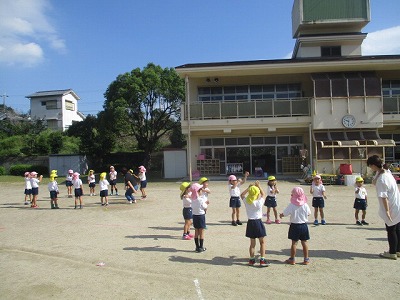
<point>86,44</point>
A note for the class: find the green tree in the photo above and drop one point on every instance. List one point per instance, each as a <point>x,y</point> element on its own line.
<point>145,104</point>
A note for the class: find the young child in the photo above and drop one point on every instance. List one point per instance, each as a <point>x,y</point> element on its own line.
<point>360,203</point>
<point>206,191</point>
<point>68,183</point>
<point>77,183</point>
<point>92,182</point>
<point>299,211</point>
<point>113,180</point>
<point>187,210</point>
<point>270,202</point>
<point>28,188</point>
<point>35,188</point>
<point>317,189</point>
<point>103,182</point>
<point>53,189</point>
<point>143,181</point>
<point>255,228</point>
<point>234,201</point>
<point>199,204</point>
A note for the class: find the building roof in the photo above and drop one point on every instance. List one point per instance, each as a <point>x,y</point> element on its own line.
<point>53,93</point>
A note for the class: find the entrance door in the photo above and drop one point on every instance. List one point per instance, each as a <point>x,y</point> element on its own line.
<point>219,153</point>
<point>264,157</point>
<point>239,155</point>
<point>281,151</point>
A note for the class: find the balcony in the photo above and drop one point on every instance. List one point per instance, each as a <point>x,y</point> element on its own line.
<point>391,105</point>
<point>249,109</point>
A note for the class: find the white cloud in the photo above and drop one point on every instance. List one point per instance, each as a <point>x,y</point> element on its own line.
<point>382,42</point>
<point>26,32</point>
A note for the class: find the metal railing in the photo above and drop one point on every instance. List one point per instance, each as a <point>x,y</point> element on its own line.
<point>249,109</point>
<point>391,105</point>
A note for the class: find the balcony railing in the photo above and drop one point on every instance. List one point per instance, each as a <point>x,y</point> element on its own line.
<point>249,109</point>
<point>391,105</point>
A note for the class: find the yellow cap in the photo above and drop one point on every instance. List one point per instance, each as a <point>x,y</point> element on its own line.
<point>359,179</point>
<point>184,186</point>
<point>271,178</point>
<point>202,180</point>
<point>103,175</point>
<point>53,176</point>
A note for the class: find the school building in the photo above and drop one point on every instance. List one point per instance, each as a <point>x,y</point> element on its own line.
<point>326,106</point>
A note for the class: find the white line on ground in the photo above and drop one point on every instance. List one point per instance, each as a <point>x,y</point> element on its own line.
<point>198,290</point>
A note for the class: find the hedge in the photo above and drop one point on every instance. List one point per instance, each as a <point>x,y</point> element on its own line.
<point>19,170</point>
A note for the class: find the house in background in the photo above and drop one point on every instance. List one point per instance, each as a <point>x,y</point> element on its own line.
<point>59,108</point>
<point>326,106</point>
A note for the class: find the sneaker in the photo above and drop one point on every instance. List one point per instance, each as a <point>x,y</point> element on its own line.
<point>106,204</point>
<point>252,261</point>
<point>268,221</point>
<point>26,203</point>
<point>186,237</point>
<point>130,202</point>
<point>316,222</point>
<point>116,194</point>
<point>102,204</point>
<point>191,235</point>
<point>290,261</point>
<point>277,221</point>
<point>323,222</point>
<point>35,206</point>
<point>306,261</point>
<point>358,223</point>
<point>364,222</point>
<point>201,249</point>
<point>112,194</point>
<point>239,223</point>
<point>263,262</point>
<point>234,223</point>
<point>388,255</point>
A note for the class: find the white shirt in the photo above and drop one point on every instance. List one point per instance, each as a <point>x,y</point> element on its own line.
<point>91,178</point>
<point>187,201</point>
<point>28,184</point>
<point>271,191</point>
<point>35,182</point>
<point>254,210</point>
<point>199,205</point>
<point>52,186</point>
<point>68,178</point>
<point>104,184</point>
<point>142,176</point>
<point>386,187</point>
<point>234,192</point>
<point>298,214</point>
<point>318,189</point>
<point>113,175</point>
<point>77,183</point>
<point>361,192</point>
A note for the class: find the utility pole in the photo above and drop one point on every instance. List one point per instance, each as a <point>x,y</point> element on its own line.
<point>4,101</point>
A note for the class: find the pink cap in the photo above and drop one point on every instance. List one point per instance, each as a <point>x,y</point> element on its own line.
<point>76,175</point>
<point>26,174</point>
<point>194,188</point>
<point>232,177</point>
<point>33,173</point>
<point>70,171</point>
<point>142,169</point>
<point>298,197</point>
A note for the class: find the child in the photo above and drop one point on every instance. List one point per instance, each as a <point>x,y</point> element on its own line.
<point>68,183</point>
<point>143,181</point>
<point>299,211</point>
<point>271,199</point>
<point>35,188</point>
<point>199,204</point>
<point>317,189</point>
<point>28,188</point>
<point>206,191</point>
<point>360,203</point>
<point>92,182</point>
<point>53,189</point>
<point>187,210</point>
<point>77,183</point>
<point>255,228</point>
<point>113,180</point>
<point>234,201</point>
<point>104,189</point>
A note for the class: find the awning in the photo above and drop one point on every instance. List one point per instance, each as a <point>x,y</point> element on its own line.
<point>359,138</point>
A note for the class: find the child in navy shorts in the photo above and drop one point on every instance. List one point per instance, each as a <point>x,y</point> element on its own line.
<point>270,202</point>
<point>53,189</point>
<point>199,204</point>
<point>234,201</point>
<point>28,188</point>
<point>360,203</point>
<point>317,189</point>
<point>299,211</point>
<point>187,210</point>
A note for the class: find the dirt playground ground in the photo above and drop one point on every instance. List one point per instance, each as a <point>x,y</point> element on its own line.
<point>136,251</point>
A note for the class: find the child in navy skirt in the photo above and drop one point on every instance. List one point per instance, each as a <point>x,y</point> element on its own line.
<point>199,205</point>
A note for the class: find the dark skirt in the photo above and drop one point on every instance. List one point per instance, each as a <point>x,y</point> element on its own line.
<point>298,232</point>
<point>255,229</point>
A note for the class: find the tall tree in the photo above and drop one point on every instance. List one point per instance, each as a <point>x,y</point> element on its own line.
<point>146,104</point>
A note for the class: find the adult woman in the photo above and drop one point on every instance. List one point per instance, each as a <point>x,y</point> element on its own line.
<point>389,205</point>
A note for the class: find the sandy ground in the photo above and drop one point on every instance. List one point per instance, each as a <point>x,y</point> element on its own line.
<point>48,253</point>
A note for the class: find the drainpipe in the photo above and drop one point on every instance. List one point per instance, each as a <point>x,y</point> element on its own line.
<point>311,145</point>
<point>189,147</point>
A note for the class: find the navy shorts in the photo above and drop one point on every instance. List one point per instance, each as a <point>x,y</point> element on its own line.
<point>113,182</point>
<point>360,204</point>
<point>270,202</point>
<point>199,221</point>
<point>143,184</point>
<point>78,192</point>
<point>298,232</point>
<point>104,193</point>
<point>187,213</point>
<point>255,229</point>
<point>68,183</point>
<point>92,184</point>
<point>53,195</point>
<point>234,202</point>
<point>318,202</point>
<point>35,191</point>
<point>28,192</point>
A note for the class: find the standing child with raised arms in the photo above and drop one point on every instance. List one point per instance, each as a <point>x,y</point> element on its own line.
<point>360,203</point>
<point>255,228</point>
<point>53,189</point>
<point>77,183</point>
<point>113,180</point>
<point>317,189</point>
<point>234,201</point>
<point>92,182</point>
<point>270,202</point>
<point>35,188</point>
<point>28,188</point>
<point>68,183</point>
<point>187,210</point>
<point>103,182</point>
<point>143,181</point>
<point>199,204</point>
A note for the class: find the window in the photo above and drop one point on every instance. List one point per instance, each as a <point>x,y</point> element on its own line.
<point>69,105</point>
<point>52,104</point>
<point>331,51</point>
<point>391,88</point>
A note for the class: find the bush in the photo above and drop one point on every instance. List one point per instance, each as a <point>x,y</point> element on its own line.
<point>19,170</point>
<point>2,171</point>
